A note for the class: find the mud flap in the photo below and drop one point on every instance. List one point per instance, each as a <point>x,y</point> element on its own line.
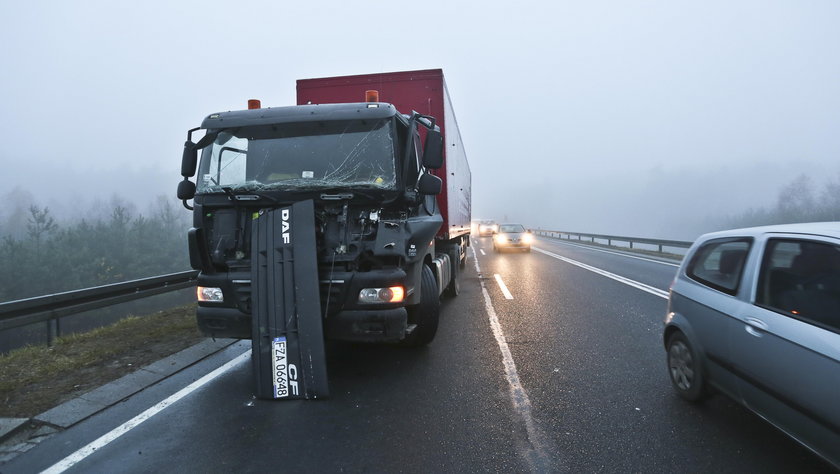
<point>287,337</point>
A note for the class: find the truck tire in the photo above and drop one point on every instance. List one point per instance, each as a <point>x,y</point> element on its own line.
<point>454,287</point>
<point>425,314</point>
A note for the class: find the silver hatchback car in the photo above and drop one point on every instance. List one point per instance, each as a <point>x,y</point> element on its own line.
<point>755,314</point>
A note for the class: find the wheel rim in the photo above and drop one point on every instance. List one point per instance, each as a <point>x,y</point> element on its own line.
<point>681,365</point>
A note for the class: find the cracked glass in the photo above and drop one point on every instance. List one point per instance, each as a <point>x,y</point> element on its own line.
<point>301,156</point>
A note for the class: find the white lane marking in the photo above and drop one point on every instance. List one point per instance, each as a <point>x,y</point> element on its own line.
<point>537,457</point>
<point>103,440</point>
<point>589,247</point>
<point>503,286</point>
<point>618,278</point>
<point>482,252</point>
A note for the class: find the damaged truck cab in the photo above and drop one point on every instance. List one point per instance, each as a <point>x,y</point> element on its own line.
<point>382,260</point>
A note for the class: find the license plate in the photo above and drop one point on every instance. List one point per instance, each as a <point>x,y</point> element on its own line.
<point>279,367</point>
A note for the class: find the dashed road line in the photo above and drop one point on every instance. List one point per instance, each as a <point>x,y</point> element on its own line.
<point>503,287</point>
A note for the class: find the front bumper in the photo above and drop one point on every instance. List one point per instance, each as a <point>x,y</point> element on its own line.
<point>365,325</point>
<point>511,243</point>
<point>380,325</point>
<point>345,318</point>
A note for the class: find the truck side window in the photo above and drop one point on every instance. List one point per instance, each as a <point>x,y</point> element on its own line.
<point>226,164</point>
<point>719,264</point>
<point>801,278</point>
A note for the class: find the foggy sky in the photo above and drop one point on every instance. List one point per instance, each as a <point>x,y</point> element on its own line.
<point>641,118</point>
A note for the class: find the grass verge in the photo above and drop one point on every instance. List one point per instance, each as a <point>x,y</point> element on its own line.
<point>34,379</point>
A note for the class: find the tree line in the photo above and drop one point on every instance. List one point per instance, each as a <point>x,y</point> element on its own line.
<point>48,257</point>
<point>801,200</point>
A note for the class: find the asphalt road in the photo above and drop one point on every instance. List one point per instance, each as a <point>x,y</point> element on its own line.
<point>568,375</point>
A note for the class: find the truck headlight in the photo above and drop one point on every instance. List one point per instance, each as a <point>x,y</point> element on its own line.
<point>394,294</point>
<point>209,294</point>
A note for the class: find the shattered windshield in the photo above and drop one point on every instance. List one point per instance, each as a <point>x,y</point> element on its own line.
<point>301,156</point>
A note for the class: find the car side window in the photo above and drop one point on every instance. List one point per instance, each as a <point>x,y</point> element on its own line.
<point>719,264</point>
<point>801,278</point>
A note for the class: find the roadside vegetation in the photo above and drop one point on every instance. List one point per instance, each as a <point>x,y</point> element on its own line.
<point>34,379</point>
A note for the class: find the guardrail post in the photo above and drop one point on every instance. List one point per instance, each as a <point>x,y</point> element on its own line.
<point>631,244</point>
<point>53,331</point>
<point>660,248</point>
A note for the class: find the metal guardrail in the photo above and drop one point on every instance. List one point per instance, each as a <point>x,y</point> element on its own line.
<point>660,244</point>
<point>50,308</point>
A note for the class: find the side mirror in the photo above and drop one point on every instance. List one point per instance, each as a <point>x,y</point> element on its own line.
<point>433,150</point>
<point>429,184</point>
<point>189,159</point>
<point>186,190</point>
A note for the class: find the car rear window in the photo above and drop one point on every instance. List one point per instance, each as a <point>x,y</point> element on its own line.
<point>719,264</point>
<point>801,278</point>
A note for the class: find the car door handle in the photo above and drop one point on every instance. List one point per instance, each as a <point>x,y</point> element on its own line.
<point>755,327</point>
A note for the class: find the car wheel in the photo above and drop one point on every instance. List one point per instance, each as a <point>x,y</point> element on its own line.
<point>454,288</point>
<point>425,314</point>
<point>684,369</point>
<point>528,249</point>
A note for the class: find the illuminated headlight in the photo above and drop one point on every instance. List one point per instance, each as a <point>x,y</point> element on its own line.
<point>210,294</point>
<point>499,238</point>
<point>393,294</point>
<point>527,238</point>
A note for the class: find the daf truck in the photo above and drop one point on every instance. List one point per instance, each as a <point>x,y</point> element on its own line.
<point>367,179</point>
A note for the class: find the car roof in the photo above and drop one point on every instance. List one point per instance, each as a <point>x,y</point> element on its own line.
<point>828,229</point>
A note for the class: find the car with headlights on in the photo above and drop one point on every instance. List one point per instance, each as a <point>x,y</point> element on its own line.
<point>755,314</point>
<point>512,236</point>
<point>486,228</point>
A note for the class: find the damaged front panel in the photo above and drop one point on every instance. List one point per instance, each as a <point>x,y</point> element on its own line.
<point>287,334</point>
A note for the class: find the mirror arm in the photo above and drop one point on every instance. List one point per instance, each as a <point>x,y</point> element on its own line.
<point>431,120</point>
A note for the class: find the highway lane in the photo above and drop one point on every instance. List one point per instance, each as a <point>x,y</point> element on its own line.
<point>586,351</point>
<point>444,408</point>
<point>590,356</point>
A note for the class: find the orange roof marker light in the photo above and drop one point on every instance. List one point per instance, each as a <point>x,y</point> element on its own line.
<point>254,104</point>
<point>371,96</point>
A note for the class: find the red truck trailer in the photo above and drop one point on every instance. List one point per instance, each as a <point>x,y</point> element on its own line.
<point>424,92</point>
<point>344,217</point>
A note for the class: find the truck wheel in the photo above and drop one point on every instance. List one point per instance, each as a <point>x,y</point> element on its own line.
<point>454,288</point>
<point>425,314</point>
